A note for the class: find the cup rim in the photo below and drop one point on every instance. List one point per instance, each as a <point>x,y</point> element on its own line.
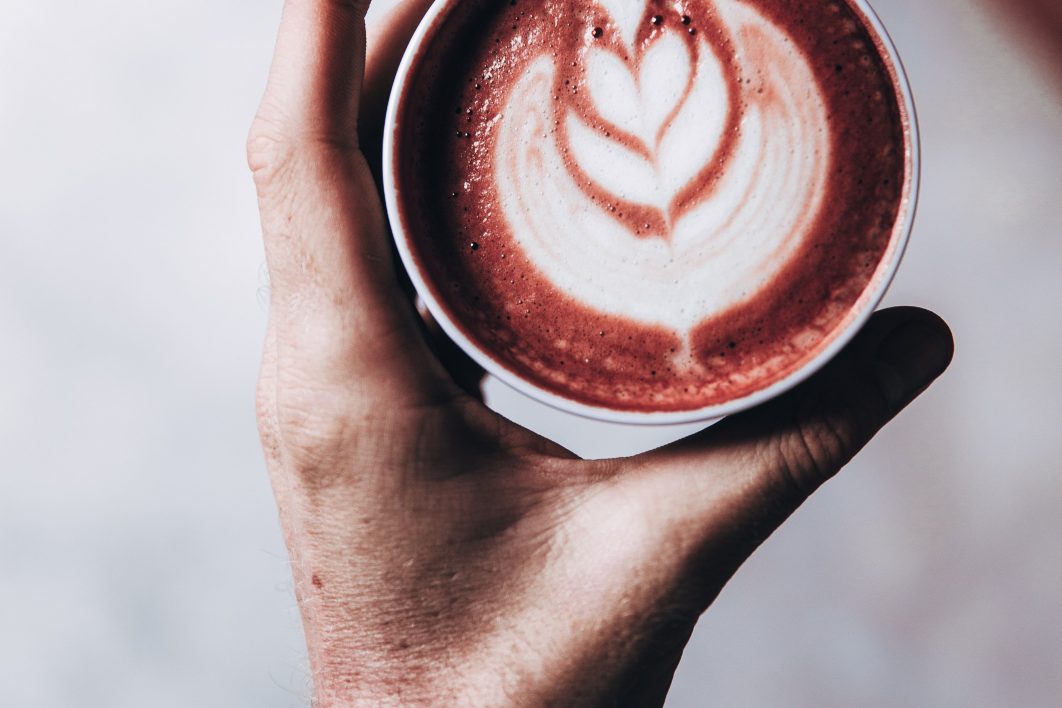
<point>860,313</point>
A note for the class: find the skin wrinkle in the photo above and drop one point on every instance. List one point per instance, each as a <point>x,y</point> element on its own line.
<point>373,357</point>
<point>421,581</point>
<point>636,594</point>
<point>422,627</point>
<point>811,448</point>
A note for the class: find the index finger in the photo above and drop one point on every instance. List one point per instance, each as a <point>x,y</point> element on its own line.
<point>342,321</point>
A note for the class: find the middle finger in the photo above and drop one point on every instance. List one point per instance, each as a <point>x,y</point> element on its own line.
<point>389,31</point>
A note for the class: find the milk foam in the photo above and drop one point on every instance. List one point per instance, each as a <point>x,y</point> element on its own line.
<point>731,214</point>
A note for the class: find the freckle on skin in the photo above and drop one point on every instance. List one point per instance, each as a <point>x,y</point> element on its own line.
<point>316,580</point>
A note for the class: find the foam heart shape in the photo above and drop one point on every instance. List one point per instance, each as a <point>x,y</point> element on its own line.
<point>626,15</point>
<point>654,139</point>
<point>661,111</point>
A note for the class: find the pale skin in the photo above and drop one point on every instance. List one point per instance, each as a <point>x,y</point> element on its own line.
<point>441,554</point>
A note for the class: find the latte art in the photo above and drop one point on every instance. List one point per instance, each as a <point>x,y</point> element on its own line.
<point>649,205</point>
<point>676,190</point>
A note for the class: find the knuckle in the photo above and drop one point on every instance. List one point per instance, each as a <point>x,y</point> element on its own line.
<point>314,439</point>
<point>289,167</point>
<point>266,419</point>
<point>327,429</point>
<point>275,140</point>
<point>270,149</point>
<point>303,432</point>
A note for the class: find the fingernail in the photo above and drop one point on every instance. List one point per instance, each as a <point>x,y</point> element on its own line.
<point>910,357</point>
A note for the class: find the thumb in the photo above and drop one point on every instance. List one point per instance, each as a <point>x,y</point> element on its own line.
<point>730,486</point>
<point>801,440</point>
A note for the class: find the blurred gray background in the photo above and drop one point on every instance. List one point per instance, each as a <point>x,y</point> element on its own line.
<point>140,557</point>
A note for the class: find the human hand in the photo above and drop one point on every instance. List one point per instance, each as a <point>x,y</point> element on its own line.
<point>442,554</point>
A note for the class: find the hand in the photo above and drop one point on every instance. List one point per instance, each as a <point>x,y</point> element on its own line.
<point>442,554</point>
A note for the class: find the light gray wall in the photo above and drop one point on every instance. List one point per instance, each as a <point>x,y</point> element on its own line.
<point>140,558</point>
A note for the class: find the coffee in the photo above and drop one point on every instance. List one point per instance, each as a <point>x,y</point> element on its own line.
<point>651,206</point>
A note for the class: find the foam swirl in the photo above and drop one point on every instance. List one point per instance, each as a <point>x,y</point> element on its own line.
<point>678,189</point>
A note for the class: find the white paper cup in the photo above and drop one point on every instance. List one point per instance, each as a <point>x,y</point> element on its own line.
<point>853,322</point>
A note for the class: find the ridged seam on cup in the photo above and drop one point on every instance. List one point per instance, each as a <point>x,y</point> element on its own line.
<point>857,315</point>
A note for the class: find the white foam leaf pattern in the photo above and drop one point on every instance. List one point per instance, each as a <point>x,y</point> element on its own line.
<point>613,90</point>
<point>611,165</point>
<point>678,150</point>
<point>627,15</point>
<point>662,79</point>
<point>695,133</point>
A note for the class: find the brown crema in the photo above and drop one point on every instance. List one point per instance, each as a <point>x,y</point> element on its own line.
<point>445,149</point>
